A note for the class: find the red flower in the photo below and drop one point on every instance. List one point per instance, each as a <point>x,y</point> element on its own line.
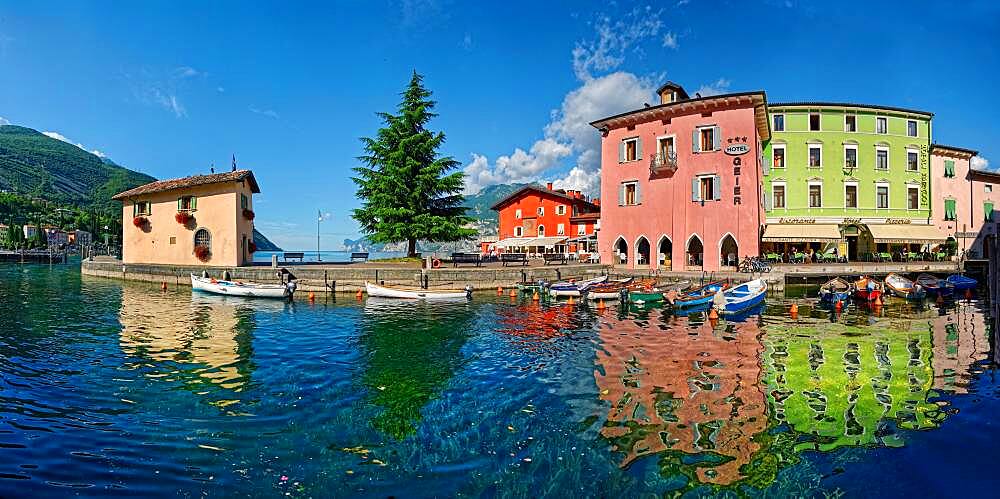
<point>251,247</point>
<point>203,253</point>
<point>183,217</point>
<point>248,214</point>
<point>139,221</point>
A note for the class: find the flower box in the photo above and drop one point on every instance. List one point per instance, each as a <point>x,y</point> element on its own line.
<point>251,247</point>
<point>140,221</point>
<point>183,217</point>
<point>248,214</point>
<point>203,253</point>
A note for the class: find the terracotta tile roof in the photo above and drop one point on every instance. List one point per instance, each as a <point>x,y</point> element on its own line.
<point>560,194</point>
<point>181,183</point>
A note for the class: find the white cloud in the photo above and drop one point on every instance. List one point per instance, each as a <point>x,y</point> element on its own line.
<point>980,163</point>
<point>720,86</point>
<point>3,121</point>
<point>270,113</point>
<point>59,136</point>
<point>467,42</point>
<point>613,40</point>
<point>186,72</point>
<point>670,40</point>
<point>162,88</point>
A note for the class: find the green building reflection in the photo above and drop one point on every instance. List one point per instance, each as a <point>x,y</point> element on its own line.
<point>413,350</point>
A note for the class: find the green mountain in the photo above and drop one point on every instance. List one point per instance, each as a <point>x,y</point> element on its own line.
<point>263,243</point>
<point>36,165</point>
<point>479,204</point>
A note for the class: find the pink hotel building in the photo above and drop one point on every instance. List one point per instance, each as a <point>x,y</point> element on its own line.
<point>686,174</point>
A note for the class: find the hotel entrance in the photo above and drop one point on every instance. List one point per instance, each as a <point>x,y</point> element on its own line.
<point>852,238</point>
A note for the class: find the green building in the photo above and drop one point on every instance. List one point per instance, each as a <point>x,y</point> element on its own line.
<point>848,177</point>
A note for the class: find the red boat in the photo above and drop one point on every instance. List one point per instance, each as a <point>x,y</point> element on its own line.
<point>868,289</point>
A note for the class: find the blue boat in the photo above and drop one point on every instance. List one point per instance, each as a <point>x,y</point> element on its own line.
<point>936,287</point>
<point>961,282</point>
<point>835,290</point>
<point>701,297</point>
<point>745,296</point>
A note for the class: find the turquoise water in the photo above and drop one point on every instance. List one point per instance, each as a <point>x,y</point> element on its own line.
<point>120,389</point>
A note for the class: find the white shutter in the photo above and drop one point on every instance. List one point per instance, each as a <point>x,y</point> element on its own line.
<point>621,152</point>
<point>621,195</point>
<point>694,140</point>
<point>766,164</point>
<point>717,187</point>
<point>638,193</point>
<point>638,149</point>
<point>716,138</point>
<point>694,190</point>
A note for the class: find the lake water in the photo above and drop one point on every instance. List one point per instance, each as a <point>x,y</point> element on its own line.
<point>120,389</point>
<point>326,256</point>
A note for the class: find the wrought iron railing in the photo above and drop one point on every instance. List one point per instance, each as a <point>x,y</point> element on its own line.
<point>663,163</point>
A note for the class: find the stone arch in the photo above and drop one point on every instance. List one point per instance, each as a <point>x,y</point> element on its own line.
<point>729,250</point>
<point>695,250</point>
<point>621,250</point>
<point>642,251</point>
<point>664,251</point>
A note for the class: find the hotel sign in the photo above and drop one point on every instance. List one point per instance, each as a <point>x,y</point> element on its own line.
<point>737,149</point>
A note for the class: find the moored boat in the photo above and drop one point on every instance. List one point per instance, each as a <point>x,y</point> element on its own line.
<point>744,296</point>
<point>868,289</point>
<point>904,288</point>
<point>961,282</point>
<point>701,296</point>
<point>416,293</point>
<point>835,290</point>
<point>237,288</point>
<point>609,290</point>
<point>936,287</point>
<point>568,289</point>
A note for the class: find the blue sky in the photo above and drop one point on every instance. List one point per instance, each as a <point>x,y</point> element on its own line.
<point>170,88</point>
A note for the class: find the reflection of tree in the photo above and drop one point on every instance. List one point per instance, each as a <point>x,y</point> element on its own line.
<point>413,350</point>
<point>691,396</point>
<point>839,385</point>
<point>205,342</point>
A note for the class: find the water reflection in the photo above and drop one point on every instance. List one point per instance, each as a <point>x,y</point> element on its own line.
<point>413,350</point>
<point>961,340</point>
<point>202,342</point>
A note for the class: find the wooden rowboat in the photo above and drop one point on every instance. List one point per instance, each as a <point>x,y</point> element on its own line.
<point>867,289</point>
<point>961,282</point>
<point>417,293</point>
<point>744,296</point>
<point>835,290</point>
<point>236,288</point>
<point>936,287</point>
<point>904,288</point>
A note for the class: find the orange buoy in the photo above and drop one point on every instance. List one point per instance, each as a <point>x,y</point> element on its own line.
<point>359,294</point>
<point>794,311</point>
<point>513,294</point>
<point>713,314</point>
<point>571,301</point>
<point>535,296</point>
<point>312,296</point>
<point>499,290</point>
<point>839,306</point>
<point>163,286</point>
<point>600,304</point>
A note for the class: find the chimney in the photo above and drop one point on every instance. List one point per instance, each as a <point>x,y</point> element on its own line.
<point>548,186</point>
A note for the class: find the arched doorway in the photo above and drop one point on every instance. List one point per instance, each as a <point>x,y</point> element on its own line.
<point>621,251</point>
<point>665,251</point>
<point>695,251</point>
<point>642,251</point>
<point>729,251</point>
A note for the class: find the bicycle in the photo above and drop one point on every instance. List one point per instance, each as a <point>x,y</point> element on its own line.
<point>753,264</point>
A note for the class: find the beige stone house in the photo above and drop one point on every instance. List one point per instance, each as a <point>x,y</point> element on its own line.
<point>201,220</point>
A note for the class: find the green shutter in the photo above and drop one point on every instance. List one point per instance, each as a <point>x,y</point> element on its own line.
<point>949,168</point>
<point>988,208</point>
<point>194,203</point>
<point>949,209</point>
<point>135,210</point>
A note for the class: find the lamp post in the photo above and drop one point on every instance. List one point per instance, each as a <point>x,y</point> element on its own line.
<point>319,218</point>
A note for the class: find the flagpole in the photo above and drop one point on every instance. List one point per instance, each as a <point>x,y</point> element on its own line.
<point>319,218</point>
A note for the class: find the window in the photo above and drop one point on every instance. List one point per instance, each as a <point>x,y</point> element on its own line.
<point>814,122</point>
<point>173,240</point>
<point>779,123</point>
<point>629,194</point>
<point>989,188</point>
<point>850,195</point>
<point>630,150</point>
<point>912,160</point>
<point>988,209</point>
<point>778,195</point>
<point>850,123</point>
<point>815,156</point>
<point>665,147</point>
<point>882,158</point>
<point>778,156</point>
<point>950,213</point>
<point>707,187</point>
<point>518,231</point>
<point>949,168</point>
<point>541,231</point>
<point>581,229</point>
<point>541,211</point>
<point>141,208</point>
<point>815,195</point>
<point>517,213</point>
<point>851,156</point>
<point>881,125</point>
<point>882,196</point>
<point>561,209</point>
<point>911,128</point>
<point>188,203</point>
<point>244,201</point>
<point>706,137</point>
<point>203,238</point>
<point>561,230</point>
<point>912,197</point>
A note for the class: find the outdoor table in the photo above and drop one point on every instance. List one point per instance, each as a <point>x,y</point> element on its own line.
<point>941,256</point>
<point>913,256</point>
<point>800,257</point>
<point>885,257</point>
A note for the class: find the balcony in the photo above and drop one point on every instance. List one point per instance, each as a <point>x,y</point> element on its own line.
<point>661,165</point>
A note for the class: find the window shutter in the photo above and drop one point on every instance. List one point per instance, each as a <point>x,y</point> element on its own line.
<point>767,202</point>
<point>716,138</point>
<point>621,195</point>
<point>989,211</point>
<point>621,152</point>
<point>694,189</point>
<point>766,164</point>
<point>949,168</point>
<point>135,210</point>
<point>638,193</point>
<point>694,141</point>
<point>194,203</point>
<point>638,149</point>
<point>180,204</point>
<point>717,187</point>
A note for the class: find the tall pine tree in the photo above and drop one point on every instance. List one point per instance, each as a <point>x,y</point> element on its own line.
<point>408,192</point>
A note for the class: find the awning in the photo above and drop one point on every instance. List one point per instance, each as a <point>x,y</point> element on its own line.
<point>801,233</point>
<point>584,239</point>
<point>906,233</point>
<point>517,242</point>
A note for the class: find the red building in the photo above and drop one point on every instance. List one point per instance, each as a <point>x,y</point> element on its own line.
<point>547,220</point>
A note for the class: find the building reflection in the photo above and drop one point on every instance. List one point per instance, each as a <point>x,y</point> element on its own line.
<point>413,350</point>
<point>685,391</point>
<point>960,341</point>
<point>202,341</point>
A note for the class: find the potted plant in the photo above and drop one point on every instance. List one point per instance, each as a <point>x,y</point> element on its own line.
<point>252,247</point>
<point>248,214</point>
<point>203,253</point>
<point>183,217</point>
<point>139,221</point>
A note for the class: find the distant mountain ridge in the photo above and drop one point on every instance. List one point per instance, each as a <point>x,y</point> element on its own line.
<point>34,164</point>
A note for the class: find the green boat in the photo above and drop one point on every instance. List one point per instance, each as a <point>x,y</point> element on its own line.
<point>645,296</point>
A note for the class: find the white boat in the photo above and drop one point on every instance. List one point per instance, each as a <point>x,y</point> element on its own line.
<point>566,289</point>
<point>744,296</point>
<point>417,293</point>
<point>236,288</point>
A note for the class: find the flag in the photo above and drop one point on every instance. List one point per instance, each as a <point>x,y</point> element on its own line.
<point>234,162</point>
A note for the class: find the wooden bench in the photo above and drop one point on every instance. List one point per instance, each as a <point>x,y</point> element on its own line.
<point>363,256</point>
<point>548,258</point>
<point>293,255</point>
<point>457,258</point>
<point>514,258</point>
